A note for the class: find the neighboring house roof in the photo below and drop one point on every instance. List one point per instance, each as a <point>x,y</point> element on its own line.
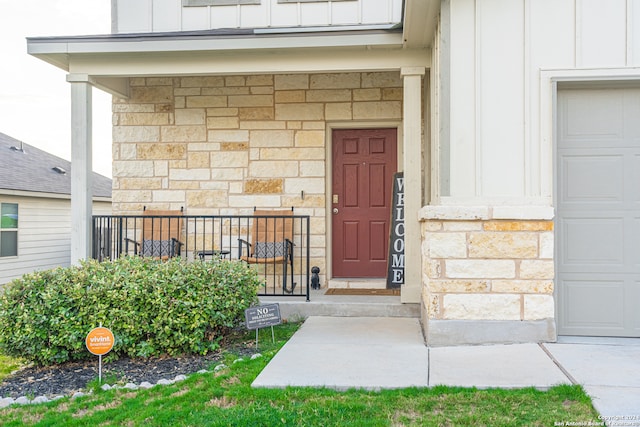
<point>34,170</point>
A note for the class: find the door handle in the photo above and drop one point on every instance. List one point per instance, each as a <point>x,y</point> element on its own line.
<point>335,211</point>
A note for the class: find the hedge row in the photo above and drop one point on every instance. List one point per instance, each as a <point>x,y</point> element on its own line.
<point>152,307</point>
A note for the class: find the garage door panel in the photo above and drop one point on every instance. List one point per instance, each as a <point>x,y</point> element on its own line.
<point>633,244</point>
<point>592,118</point>
<point>602,302</point>
<point>632,307</point>
<point>592,243</point>
<point>598,212</point>
<point>604,244</point>
<point>634,190</point>
<point>592,178</point>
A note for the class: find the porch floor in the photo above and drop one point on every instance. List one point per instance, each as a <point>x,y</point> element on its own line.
<point>297,308</point>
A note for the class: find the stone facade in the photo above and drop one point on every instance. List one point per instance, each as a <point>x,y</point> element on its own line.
<point>486,270</point>
<point>220,145</point>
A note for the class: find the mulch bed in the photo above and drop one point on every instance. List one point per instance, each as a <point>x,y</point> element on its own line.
<point>68,378</point>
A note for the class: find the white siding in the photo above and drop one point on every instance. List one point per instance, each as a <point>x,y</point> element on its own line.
<point>634,33</point>
<point>498,49</point>
<point>463,120</point>
<point>500,78</point>
<point>283,15</point>
<point>345,13</point>
<point>315,14</point>
<point>601,33</point>
<point>255,17</point>
<point>135,16</point>
<point>44,235</point>
<point>193,19</point>
<point>550,42</point>
<point>166,15</point>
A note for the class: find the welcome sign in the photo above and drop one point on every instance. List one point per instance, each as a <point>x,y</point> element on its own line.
<point>395,272</point>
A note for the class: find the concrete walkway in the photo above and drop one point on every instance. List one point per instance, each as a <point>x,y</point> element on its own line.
<point>351,352</point>
<point>387,352</point>
<point>609,371</point>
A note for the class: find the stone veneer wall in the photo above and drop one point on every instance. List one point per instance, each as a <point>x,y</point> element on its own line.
<point>488,280</point>
<point>224,144</point>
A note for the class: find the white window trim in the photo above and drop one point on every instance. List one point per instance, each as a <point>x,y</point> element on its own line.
<point>16,230</point>
<point>310,1</point>
<point>194,3</point>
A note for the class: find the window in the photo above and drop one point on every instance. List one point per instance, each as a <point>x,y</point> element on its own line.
<point>8,229</point>
<point>217,2</point>
<point>309,1</point>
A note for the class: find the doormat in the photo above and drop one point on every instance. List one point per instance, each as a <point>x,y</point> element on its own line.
<point>352,291</point>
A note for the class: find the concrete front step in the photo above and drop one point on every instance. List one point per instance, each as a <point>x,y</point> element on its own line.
<point>358,283</point>
<point>297,308</point>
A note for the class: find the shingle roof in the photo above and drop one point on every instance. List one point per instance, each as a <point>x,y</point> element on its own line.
<point>33,170</point>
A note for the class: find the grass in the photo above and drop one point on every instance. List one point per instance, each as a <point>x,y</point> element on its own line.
<point>227,399</point>
<point>8,365</point>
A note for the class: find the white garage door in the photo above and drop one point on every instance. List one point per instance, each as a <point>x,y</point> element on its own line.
<point>598,212</point>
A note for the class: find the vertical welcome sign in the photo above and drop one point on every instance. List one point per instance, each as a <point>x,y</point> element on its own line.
<point>395,272</point>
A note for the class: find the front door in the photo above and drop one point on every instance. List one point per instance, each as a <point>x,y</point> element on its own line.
<point>364,161</point>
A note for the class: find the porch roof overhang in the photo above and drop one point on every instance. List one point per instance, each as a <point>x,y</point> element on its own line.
<point>107,61</point>
<point>420,22</point>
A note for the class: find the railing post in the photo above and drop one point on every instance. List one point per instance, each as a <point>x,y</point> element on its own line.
<point>120,238</point>
<point>308,233</point>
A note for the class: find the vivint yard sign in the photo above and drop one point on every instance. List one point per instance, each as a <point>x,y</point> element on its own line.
<point>99,341</point>
<point>395,272</point>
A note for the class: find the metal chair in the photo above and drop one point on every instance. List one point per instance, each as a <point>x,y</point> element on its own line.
<point>161,233</point>
<point>272,242</point>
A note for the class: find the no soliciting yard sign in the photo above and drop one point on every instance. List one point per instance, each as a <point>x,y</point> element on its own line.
<point>262,316</point>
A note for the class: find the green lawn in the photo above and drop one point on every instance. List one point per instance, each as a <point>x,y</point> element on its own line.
<point>227,399</point>
<point>8,365</point>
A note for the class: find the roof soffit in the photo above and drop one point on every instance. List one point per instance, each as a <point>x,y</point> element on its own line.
<point>420,22</point>
<point>247,62</point>
<point>110,72</point>
<point>107,61</point>
<point>60,51</point>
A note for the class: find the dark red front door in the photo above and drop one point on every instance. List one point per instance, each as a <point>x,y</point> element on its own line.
<point>364,161</point>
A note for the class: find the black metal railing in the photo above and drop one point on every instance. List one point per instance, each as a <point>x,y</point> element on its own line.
<point>277,246</point>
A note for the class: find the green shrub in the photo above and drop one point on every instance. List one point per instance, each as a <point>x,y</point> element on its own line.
<point>152,307</point>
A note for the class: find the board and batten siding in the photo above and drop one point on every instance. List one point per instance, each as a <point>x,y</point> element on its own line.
<point>145,16</point>
<point>44,235</point>
<point>496,51</point>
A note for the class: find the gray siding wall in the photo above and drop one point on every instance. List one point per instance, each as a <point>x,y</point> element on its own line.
<point>44,235</point>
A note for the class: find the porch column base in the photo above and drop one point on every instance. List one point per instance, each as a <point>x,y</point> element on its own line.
<point>488,274</point>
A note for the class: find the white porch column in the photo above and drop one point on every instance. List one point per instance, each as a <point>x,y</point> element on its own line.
<point>412,166</point>
<point>81,167</point>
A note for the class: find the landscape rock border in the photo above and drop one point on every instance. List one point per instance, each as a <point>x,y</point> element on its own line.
<point>24,400</point>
